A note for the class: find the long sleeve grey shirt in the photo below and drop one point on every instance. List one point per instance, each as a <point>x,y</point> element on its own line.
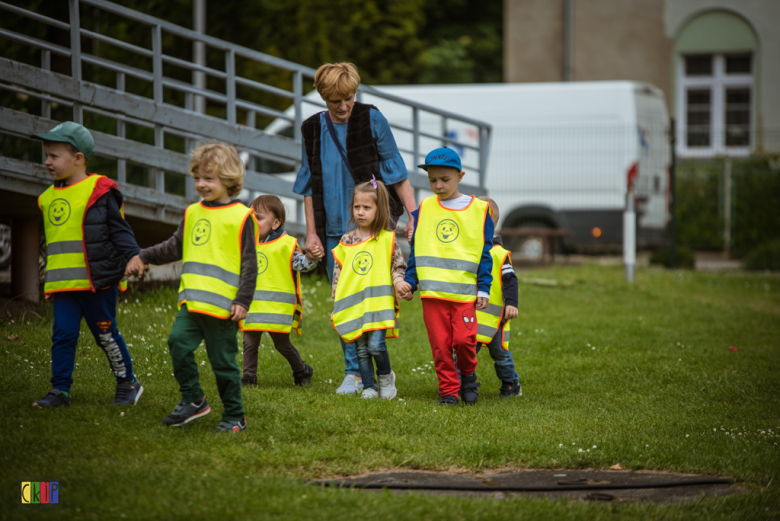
<point>172,251</point>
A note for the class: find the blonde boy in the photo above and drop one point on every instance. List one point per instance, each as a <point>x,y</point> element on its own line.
<point>216,242</point>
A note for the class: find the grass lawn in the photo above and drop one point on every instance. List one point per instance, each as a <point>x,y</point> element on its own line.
<point>639,375</point>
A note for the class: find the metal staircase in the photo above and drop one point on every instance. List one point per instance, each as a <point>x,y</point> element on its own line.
<point>152,205</point>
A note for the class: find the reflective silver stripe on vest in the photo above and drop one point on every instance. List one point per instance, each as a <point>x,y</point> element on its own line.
<point>206,297</point>
<point>506,336</point>
<point>209,270</point>
<point>457,288</point>
<point>367,318</point>
<point>487,331</point>
<point>275,296</point>
<point>356,298</point>
<point>494,309</point>
<point>446,264</point>
<point>66,274</point>
<point>56,248</point>
<point>269,318</point>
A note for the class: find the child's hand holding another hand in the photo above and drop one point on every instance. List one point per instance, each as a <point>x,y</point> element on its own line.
<point>482,302</point>
<point>510,312</point>
<point>404,290</point>
<point>135,267</point>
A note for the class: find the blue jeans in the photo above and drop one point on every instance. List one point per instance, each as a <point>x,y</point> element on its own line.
<point>371,346</point>
<point>99,310</point>
<point>350,355</point>
<point>502,359</point>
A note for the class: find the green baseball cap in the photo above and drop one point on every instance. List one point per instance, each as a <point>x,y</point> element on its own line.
<point>73,133</point>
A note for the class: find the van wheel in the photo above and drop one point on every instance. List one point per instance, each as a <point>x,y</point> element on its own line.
<point>530,248</point>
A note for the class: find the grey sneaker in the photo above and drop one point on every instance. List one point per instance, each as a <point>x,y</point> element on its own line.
<point>387,390</point>
<point>128,393</point>
<point>186,412</point>
<point>231,426</point>
<point>369,393</point>
<point>350,385</point>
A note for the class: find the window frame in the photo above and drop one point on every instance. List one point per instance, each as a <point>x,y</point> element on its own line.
<point>717,84</point>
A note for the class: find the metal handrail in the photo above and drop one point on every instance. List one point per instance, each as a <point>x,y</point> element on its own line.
<point>192,91</point>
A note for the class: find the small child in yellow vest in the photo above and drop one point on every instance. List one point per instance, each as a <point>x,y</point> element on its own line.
<point>216,244</point>
<point>367,276</point>
<point>88,244</point>
<point>277,304</point>
<point>450,261</point>
<point>493,322</point>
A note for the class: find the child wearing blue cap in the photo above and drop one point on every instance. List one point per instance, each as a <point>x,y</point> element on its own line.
<point>450,261</point>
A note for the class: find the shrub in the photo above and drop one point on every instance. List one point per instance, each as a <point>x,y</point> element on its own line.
<point>683,257</point>
<point>765,257</point>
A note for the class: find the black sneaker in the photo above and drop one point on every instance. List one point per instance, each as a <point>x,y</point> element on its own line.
<point>55,398</point>
<point>448,400</point>
<point>249,381</point>
<point>231,426</point>
<point>128,393</point>
<point>510,389</point>
<point>469,389</point>
<point>186,412</point>
<point>304,378</point>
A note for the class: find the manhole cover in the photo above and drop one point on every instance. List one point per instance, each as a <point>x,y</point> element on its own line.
<point>593,485</point>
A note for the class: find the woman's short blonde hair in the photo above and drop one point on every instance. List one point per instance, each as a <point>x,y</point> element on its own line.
<point>335,81</point>
<point>221,160</point>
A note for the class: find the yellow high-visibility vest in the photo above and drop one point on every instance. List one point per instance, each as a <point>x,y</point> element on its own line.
<point>448,248</point>
<point>64,210</point>
<point>277,305</point>
<point>489,319</point>
<point>211,260</point>
<point>365,296</point>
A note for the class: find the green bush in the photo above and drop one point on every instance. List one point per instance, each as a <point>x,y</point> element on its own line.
<point>755,197</point>
<point>765,257</point>
<point>683,257</point>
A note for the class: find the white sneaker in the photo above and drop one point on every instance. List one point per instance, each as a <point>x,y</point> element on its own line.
<point>387,390</point>
<point>350,385</point>
<point>369,393</point>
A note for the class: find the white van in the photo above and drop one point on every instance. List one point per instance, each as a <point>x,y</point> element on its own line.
<point>561,154</point>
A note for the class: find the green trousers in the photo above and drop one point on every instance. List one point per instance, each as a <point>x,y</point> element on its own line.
<point>221,346</point>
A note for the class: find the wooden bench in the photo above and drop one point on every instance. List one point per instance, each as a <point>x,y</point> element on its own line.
<point>548,236</point>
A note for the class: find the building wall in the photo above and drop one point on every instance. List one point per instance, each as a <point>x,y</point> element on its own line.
<point>533,40</point>
<point>613,40</point>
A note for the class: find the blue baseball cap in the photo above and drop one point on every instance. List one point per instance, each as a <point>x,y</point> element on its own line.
<point>442,157</point>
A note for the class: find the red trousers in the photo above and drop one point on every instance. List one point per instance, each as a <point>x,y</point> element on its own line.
<point>452,327</point>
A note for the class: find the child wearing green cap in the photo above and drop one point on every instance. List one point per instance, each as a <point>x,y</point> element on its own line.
<point>88,245</point>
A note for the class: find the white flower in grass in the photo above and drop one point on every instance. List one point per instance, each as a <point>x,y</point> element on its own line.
<point>560,445</point>
<point>203,362</point>
<point>594,446</point>
<point>148,374</point>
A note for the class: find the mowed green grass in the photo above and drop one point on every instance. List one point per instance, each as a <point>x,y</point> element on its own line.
<point>639,375</point>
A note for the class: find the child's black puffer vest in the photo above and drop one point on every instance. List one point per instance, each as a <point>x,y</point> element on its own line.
<point>106,263</point>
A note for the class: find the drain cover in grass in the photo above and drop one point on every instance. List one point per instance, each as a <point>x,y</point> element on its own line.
<point>599,485</point>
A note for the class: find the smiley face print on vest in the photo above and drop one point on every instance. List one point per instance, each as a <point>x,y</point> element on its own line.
<point>59,212</point>
<point>362,263</point>
<point>262,263</point>
<point>447,230</point>
<point>201,232</point>
<point>469,319</point>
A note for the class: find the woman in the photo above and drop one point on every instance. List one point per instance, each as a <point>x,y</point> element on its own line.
<point>343,146</point>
